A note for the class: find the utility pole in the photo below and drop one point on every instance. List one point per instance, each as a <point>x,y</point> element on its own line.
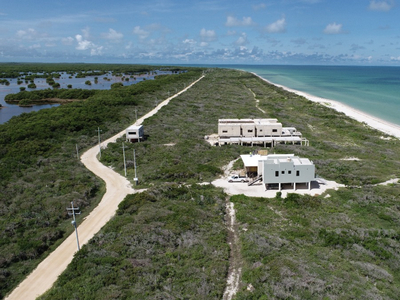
<point>72,212</point>
<point>77,152</point>
<point>98,134</point>
<point>123,152</point>
<point>134,163</point>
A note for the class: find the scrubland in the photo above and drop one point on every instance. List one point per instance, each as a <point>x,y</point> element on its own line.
<point>171,241</point>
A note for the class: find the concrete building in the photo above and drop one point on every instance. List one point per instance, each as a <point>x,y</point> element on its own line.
<point>135,133</point>
<point>279,170</point>
<point>257,132</point>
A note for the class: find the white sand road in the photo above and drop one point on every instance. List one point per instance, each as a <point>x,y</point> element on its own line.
<point>117,186</point>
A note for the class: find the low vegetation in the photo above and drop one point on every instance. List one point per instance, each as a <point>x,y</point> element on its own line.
<point>40,173</point>
<point>166,243</point>
<point>340,245</point>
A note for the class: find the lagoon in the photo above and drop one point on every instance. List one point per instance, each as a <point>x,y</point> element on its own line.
<point>104,82</point>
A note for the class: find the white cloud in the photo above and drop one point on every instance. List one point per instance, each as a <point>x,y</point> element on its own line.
<point>86,32</point>
<point>232,21</point>
<point>27,34</point>
<point>67,41</point>
<point>276,27</point>
<point>84,44</point>
<point>259,6</point>
<point>231,32</point>
<point>242,40</point>
<point>381,5</point>
<point>203,44</point>
<point>333,28</point>
<point>395,58</point>
<point>140,32</point>
<point>112,35</point>
<point>189,42</point>
<point>208,35</point>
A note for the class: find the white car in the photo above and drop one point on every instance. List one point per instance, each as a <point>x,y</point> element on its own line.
<point>237,178</point>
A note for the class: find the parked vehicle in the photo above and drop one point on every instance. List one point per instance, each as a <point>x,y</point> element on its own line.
<point>237,178</point>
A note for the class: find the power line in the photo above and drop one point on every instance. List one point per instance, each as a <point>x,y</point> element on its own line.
<point>72,212</point>
<point>98,135</point>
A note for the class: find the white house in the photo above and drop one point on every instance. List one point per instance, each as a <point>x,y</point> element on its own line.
<point>135,133</point>
<point>280,169</point>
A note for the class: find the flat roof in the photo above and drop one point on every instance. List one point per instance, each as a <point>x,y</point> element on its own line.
<point>134,127</point>
<point>250,160</point>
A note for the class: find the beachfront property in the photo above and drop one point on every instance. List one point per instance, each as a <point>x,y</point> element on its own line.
<point>279,170</point>
<point>135,133</point>
<point>266,132</point>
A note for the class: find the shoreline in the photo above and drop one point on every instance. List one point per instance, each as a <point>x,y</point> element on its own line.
<point>373,122</point>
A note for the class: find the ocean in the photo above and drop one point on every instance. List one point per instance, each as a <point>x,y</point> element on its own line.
<point>372,90</point>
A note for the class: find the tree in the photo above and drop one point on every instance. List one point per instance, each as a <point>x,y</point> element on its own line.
<point>88,82</point>
<point>117,85</point>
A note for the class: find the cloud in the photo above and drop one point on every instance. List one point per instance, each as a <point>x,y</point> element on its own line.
<point>189,42</point>
<point>67,41</point>
<point>276,27</point>
<point>242,40</point>
<point>381,5</point>
<point>141,33</point>
<point>395,58</point>
<point>86,32</point>
<point>208,35</point>
<point>30,33</point>
<point>299,41</point>
<point>112,35</point>
<point>259,6</point>
<point>232,21</point>
<point>333,28</point>
<point>84,44</point>
<point>355,47</point>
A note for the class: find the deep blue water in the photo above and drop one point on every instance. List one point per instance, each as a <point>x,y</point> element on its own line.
<point>373,90</point>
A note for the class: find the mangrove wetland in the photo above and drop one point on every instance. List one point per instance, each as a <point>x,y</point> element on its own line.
<point>171,240</point>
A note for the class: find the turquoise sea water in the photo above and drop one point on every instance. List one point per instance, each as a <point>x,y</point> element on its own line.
<point>373,90</point>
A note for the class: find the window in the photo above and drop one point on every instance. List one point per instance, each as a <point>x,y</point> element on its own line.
<point>297,173</point>
<point>274,130</point>
<point>283,172</point>
<point>250,130</point>
<point>289,172</point>
<point>276,173</point>
<point>132,132</point>
<point>224,131</point>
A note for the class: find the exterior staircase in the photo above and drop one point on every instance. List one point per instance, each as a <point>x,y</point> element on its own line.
<point>258,178</point>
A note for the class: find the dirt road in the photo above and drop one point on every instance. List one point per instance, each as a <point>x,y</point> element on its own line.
<point>43,277</point>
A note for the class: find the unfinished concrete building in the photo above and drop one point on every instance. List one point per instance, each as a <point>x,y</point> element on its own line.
<point>266,132</point>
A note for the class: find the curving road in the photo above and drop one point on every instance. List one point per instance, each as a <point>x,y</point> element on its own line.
<point>117,187</point>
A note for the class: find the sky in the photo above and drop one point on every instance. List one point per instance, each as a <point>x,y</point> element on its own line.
<point>304,32</point>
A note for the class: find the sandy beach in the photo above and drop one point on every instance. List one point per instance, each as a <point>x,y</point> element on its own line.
<point>379,124</point>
